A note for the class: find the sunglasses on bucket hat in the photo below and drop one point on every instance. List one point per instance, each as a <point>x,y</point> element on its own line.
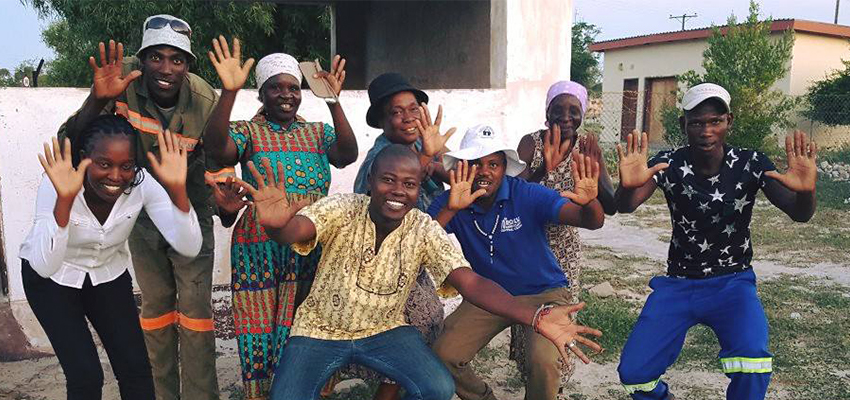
<point>176,25</point>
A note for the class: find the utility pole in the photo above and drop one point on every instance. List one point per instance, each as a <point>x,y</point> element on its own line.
<point>684,17</point>
<point>836,11</point>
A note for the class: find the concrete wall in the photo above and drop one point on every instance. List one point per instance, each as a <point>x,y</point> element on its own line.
<point>534,59</point>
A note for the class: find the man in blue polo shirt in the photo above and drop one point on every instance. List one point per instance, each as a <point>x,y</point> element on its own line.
<point>500,222</point>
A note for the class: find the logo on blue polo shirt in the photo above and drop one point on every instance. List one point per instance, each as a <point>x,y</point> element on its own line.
<point>511,224</point>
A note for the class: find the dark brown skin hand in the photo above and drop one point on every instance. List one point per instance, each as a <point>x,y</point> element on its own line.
<point>108,82</point>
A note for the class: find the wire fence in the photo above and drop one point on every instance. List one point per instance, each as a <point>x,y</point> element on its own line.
<point>613,115</point>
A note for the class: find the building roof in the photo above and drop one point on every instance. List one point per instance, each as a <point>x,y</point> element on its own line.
<point>779,25</point>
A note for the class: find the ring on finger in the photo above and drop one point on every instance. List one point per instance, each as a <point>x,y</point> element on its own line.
<point>571,344</point>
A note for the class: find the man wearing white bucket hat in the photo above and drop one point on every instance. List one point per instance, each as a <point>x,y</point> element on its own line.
<point>176,291</point>
<point>500,223</point>
<point>711,190</point>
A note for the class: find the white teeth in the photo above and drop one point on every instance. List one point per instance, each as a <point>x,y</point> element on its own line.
<point>112,188</point>
<point>395,205</point>
<point>483,183</point>
<point>411,130</point>
<point>286,107</point>
<point>163,83</point>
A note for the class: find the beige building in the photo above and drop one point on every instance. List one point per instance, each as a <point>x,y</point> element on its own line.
<point>643,69</point>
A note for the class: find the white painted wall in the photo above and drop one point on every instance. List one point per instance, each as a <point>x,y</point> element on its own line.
<point>535,58</point>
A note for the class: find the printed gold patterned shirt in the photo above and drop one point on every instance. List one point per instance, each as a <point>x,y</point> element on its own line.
<point>359,292</point>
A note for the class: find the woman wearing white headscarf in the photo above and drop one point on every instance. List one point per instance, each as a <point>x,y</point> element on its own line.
<point>269,280</point>
<point>547,154</point>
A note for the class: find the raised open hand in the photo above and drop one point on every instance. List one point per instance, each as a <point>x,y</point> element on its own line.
<point>229,196</point>
<point>108,82</point>
<point>432,141</point>
<point>232,72</point>
<point>633,170</point>
<point>170,169</point>
<point>66,179</point>
<point>554,151</point>
<point>336,76</point>
<point>802,174</point>
<point>460,180</point>
<point>565,334</point>
<point>274,210</point>
<point>585,172</point>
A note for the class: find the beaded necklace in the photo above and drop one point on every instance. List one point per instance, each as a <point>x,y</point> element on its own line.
<point>492,233</point>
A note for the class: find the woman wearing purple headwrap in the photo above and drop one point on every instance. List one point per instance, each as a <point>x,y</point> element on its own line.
<point>547,154</point>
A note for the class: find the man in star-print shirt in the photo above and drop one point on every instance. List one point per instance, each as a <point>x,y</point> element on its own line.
<point>710,189</point>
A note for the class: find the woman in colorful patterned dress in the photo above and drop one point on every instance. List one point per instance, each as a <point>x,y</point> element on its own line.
<point>546,152</point>
<point>269,280</point>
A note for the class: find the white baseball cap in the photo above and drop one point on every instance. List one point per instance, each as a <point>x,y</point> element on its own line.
<point>704,91</point>
<point>166,34</point>
<point>480,141</point>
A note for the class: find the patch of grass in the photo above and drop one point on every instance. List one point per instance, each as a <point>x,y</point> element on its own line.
<point>811,353</point>
<point>614,317</point>
<point>832,194</point>
<point>826,237</point>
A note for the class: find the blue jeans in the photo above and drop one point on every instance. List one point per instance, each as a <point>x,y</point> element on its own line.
<point>728,305</point>
<point>399,354</point>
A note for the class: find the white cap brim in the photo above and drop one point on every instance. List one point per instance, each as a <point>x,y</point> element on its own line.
<point>514,167</point>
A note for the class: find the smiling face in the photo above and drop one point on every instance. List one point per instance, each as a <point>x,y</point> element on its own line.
<point>491,171</point>
<point>165,68</point>
<point>399,120</point>
<point>113,167</point>
<point>706,126</point>
<point>394,188</point>
<point>281,97</point>
<point>565,111</point>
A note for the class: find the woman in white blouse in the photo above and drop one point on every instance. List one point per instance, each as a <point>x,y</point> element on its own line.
<point>74,261</point>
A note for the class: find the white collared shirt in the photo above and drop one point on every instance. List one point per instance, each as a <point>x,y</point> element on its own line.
<point>85,247</point>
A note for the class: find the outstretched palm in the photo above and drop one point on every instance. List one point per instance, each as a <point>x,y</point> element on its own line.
<point>108,82</point>
<point>585,173</point>
<point>229,196</point>
<point>274,210</point>
<point>554,150</point>
<point>460,180</point>
<point>802,173</point>
<point>564,333</point>
<point>232,72</point>
<point>432,141</point>
<point>634,172</point>
<point>66,179</point>
<point>171,167</point>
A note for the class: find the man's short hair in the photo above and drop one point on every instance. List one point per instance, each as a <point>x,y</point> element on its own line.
<point>393,152</point>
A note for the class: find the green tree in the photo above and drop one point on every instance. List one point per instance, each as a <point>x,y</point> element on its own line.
<point>747,61</point>
<point>584,66</point>
<point>827,99</point>
<point>264,28</point>
<point>15,78</point>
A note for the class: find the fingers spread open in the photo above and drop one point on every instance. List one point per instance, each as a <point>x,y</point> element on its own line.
<point>225,48</point>
<point>267,166</point>
<point>237,49</point>
<point>102,50</point>
<point>261,183</point>
<point>281,180</point>
<point>217,48</point>
<point>119,59</point>
<point>57,153</point>
<point>439,119</point>
<point>580,354</point>
<point>66,149</point>
<point>247,186</point>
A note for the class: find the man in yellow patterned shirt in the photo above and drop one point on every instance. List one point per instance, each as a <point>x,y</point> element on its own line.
<point>373,248</point>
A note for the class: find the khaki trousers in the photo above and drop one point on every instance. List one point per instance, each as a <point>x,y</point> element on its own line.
<point>177,317</point>
<point>469,329</point>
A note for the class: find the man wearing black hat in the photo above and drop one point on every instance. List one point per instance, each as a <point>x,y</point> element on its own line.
<point>176,290</point>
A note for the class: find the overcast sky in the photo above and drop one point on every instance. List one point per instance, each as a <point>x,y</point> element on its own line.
<point>616,19</point>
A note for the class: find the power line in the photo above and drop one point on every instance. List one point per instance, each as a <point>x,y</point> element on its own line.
<point>683,17</point>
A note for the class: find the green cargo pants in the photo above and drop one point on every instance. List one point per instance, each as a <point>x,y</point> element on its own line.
<point>177,317</point>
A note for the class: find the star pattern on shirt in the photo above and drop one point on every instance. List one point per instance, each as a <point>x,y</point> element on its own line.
<point>717,195</point>
<point>707,239</point>
<point>704,246</point>
<point>741,203</point>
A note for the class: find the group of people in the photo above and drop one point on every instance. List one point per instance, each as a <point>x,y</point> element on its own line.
<point>321,283</point>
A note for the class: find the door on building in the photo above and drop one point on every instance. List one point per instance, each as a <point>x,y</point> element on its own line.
<point>628,118</point>
<point>659,92</point>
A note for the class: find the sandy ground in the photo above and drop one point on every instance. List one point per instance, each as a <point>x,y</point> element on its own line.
<point>42,379</point>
